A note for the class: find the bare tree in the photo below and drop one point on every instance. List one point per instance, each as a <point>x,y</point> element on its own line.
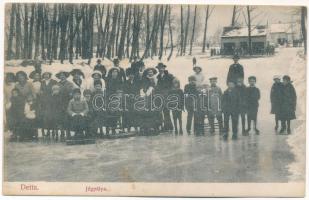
<point>123,33</point>
<point>187,29</point>
<point>18,32</point>
<point>171,33</point>
<point>208,14</point>
<point>304,27</point>
<point>11,32</point>
<point>193,30</point>
<point>163,21</point>
<point>26,32</point>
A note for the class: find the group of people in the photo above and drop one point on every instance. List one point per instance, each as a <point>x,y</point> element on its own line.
<point>148,100</point>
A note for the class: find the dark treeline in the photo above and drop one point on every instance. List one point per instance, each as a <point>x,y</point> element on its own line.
<point>73,31</point>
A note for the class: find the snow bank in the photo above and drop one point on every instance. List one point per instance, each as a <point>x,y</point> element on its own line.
<point>297,140</point>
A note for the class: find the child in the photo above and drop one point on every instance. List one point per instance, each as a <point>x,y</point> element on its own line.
<point>36,82</point>
<point>15,113</point>
<point>230,107</point>
<point>241,89</point>
<point>177,111</point>
<point>88,98</point>
<point>198,76</point>
<point>253,96</point>
<point>55,113</point>
<point>30,123</point>
<point>78,110</point>
<point>214,105</point>
<point>190,101</point>
<point>98,108</point>
<point>288,106</point>
<point>201,110</point>
<point>276,98</point>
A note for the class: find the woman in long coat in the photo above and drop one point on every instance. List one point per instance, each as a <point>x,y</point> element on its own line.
<point>47,100</point>
<point>288,105</point>
<point>114,87</point>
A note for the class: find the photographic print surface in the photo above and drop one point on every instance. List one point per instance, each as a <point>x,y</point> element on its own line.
<point>132,99</point>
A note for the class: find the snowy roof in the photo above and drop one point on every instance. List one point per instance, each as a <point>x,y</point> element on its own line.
<point>282,28</point>
<point>243,31</point>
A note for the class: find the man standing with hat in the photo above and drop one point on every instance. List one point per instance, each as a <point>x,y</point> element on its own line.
<point>236,71</point>
<point>122,74</point>
<point>198,76</point>
<point>100,67</point>
<point>164,85</point>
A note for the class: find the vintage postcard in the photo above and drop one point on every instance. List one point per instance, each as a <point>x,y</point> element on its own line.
<point>124,99</point>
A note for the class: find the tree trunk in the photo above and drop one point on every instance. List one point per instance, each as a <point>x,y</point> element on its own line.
<point>37,30</point>
<point>54,33</point>
<point>11,33</point>
<point>163,20</point>
<point>106,32</point>
<point>205,29</point>
<point>187,29</point>
<point>249,31</point>
<point>181,31</point>
<point>151,37</point>
<point>171,34</point>
<point>303,27</point>
<point>63,32</point>
<point>123,33</point>
<point>26,32</point>
<point>71,32</point>
<point>193,30</point>
<point>30,41</point>
<point>128,33</point>
<point>18,33</point>
<point>112,34</point>
<point>43,56</point>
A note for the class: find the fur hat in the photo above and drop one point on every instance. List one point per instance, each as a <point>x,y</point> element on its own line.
<point>96,72</point>
<point>151,69</point>
<point>160,65</point>
<point>77,71</point>
<point>197,67</point>
<point>21,73</point>
<point>235,57</point>
<point>66,74</point>
<point>49,73</point>
<point>33,73</point>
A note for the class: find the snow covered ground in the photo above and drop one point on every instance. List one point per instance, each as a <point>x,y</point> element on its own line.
<point>265,158</point>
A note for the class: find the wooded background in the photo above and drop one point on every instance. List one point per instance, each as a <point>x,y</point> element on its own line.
<point>74,31</point>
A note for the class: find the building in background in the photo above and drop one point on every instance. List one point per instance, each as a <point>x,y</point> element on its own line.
<point>235,39</point>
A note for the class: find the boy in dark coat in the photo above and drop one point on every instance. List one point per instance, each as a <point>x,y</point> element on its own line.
<point>236,71</point>
<point>243,104</point>
<point>177,93</point>
<point>15,114</point>
<point>253,97</point>
<point>214,105</point>
<point>276,98</point>
<point>288,105</point>
<point>230,101</point>
<point>55,111</point>
<point>191,94</point>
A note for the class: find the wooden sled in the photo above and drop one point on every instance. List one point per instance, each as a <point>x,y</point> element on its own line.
<point>80,141</point>
<point>120,135</point>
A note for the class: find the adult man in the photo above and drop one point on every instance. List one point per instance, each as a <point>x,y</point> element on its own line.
<point>236,71</point>
<point>122,74</point>
<point>164,85</point>
<point>100,67</point>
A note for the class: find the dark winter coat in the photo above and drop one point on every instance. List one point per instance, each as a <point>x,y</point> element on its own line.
<point>243,98</point>
<point>16,112</point>
<point>253,97</point>
<point>235,71</point>
<point>177,93</point>
<point>46,100</point>
<point>289,100</point>
<point>276,97</point>
<point>190,92</point>
<point>55,109</point>
<point>113,85</point>
<point>230,101</point>
<point>165,82</point>
<point>101,68</point>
